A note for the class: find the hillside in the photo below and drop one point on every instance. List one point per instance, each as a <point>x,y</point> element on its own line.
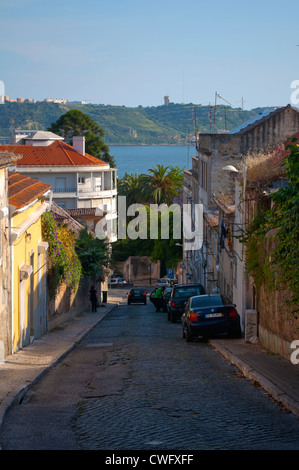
<point>170,124</point>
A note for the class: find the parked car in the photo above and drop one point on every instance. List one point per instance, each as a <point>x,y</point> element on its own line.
<point>179,297</point>
<point>162,283</point>
<point>116,281</point>
<point>167,294</point>
<point>209,315</point>
<point>137,296</point>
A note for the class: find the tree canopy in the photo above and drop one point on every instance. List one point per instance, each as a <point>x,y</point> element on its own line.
<point>161,185</point>
<point>93,254</point>
<point>75,123</point>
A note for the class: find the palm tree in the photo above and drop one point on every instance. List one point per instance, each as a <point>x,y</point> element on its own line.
<point>161,184</point>
<point>130,187</point>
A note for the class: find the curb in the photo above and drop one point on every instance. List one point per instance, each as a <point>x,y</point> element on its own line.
<point>277,394</point>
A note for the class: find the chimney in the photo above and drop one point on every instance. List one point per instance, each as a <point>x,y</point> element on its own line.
<point>79,144</point>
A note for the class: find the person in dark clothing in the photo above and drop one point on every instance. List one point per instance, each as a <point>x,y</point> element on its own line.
<point>93,298</point>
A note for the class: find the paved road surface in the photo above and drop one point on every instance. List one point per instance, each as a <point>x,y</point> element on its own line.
<point>134,383</point>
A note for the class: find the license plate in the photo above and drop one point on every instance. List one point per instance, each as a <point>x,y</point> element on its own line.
<point>213,315</point>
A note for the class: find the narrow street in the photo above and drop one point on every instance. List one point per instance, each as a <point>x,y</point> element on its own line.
<point>133,383</point>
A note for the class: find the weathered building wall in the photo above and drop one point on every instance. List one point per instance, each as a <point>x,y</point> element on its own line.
<point>5,272</point>
<point>278,327</point>
<point>279,125</point>
<point>218,150</point>
<point>140,269</point>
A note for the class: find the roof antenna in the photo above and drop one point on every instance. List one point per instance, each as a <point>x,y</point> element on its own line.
<point>242,101</point>
<point>218,96</point>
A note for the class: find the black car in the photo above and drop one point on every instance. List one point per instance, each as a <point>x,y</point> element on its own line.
<point>210,315</point>
<point>166,300</point>
<point>137,296</point>
<point>179,297</point>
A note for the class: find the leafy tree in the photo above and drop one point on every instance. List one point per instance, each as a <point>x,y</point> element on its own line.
<point>75,123</point>
<point>93,254</point>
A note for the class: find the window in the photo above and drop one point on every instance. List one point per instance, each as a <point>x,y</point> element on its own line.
<point>81,180</point>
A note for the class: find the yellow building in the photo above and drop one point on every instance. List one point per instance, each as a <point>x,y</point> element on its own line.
<point>27,202</point>
<point>6,159</point>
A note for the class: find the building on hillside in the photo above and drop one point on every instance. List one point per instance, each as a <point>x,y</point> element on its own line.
<point>78,180</point>
<point>216,265</point>
<point>6,160</point>
<point>28,200</point>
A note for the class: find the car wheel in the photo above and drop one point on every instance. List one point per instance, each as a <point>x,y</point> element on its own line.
<point>145,302</point>
<point>129,303</point>
<point>173,318</point>
<point>189,338</point>
<point>237,333</point>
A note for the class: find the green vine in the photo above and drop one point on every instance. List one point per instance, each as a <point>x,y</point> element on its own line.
<point>283,269</point>
<point>257,260</point>
<point>63,263</point>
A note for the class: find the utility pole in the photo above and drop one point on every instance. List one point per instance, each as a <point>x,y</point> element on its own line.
<point>195,126</point>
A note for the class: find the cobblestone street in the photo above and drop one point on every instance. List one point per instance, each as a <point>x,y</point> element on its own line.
<point>134,383</point>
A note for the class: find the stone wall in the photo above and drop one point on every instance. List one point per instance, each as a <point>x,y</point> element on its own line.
<point>67,305</point>
<point>278,327</point>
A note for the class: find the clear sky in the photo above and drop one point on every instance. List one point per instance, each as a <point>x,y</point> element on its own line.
<point>134,52</point>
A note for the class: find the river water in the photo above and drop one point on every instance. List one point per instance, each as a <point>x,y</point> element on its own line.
<point>140,158</point>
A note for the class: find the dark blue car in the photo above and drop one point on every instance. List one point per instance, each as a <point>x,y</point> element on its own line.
<point>210,315</point>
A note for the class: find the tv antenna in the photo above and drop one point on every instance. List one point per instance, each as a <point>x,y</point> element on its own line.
<point>215,110</point>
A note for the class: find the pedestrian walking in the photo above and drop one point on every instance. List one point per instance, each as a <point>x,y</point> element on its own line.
<point>93,298</point>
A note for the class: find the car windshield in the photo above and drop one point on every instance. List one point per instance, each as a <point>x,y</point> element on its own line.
<point>205,301</point>
<point>188,291</point>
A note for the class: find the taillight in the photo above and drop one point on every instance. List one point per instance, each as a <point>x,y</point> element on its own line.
<point>173,304</point>
<point>129,293</point>
<point>143,293</point>
<point>193,316</point>
<point>232,313</point>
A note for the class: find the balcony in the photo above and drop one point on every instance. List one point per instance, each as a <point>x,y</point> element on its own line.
<point>85,192</point>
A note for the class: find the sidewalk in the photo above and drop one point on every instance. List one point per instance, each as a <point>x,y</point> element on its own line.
<point>278,376</point>
<point>22,369</point>
<point>275,374</point>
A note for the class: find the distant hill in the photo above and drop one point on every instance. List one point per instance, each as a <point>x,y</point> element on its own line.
<point>172,124</point>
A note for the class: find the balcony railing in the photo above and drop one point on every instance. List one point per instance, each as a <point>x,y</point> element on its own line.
<point>81,190</point>
<point>64,190</point>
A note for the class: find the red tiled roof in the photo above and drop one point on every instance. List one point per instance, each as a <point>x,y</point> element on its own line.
<point>57,154</point>
<point>22,189</point>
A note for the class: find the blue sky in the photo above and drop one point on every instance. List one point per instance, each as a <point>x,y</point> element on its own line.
<point>129,52</point>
